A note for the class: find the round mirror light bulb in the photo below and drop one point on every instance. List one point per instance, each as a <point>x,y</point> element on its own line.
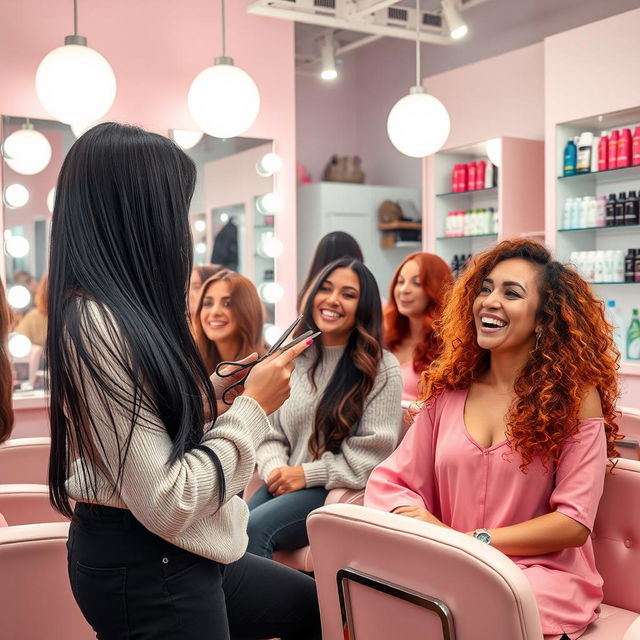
<point>19,345</point>
<point>75,84</point>
<point>418,124</point>
<point>16,196</point>
<point>27,151</point>
<point>271,292</point>
<point>224,217</point>
<point>269,164</point>
<point>18,296</point>
<point>269,203</point>
<point>223,100</point>
<point>272,246</point>
<point>186,139</point>
<point>16,246</point>
<point>51,199</point>
<point>201,247</point>
<point>271,333</point>
<point>199,225</point>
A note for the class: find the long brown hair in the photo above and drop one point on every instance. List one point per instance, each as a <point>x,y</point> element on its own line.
<point>435,279</point>
<point>248,313</point>
<point>575,351</point>
<point>342,403</point>
<point>6,370</point>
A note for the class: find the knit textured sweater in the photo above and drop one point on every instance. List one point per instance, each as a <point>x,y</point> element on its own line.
<point>177,501</point>
<point>371,441</point>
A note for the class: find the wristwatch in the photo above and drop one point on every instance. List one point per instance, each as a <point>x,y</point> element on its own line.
<point>483,535</point>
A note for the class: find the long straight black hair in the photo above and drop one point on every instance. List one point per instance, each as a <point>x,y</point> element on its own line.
<point>121,243</point>
<point>342,403</point>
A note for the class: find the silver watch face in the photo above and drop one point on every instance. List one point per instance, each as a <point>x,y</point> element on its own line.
<point>483,536</point>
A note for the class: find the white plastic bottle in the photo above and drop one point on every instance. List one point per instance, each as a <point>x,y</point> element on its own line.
<point>615,319</point>
<point>566,213</point>
<point>601,211</point>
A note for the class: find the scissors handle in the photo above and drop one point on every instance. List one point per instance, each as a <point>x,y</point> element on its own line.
<point>235,368</point>
<point>225,397</point>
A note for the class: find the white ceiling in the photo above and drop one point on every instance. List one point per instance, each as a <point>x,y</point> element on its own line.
<point>495,27</point>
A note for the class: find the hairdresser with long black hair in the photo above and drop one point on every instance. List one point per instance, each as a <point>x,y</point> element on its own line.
<point>157,541</point>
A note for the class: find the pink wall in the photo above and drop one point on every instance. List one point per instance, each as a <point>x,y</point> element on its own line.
<point>156,48</point>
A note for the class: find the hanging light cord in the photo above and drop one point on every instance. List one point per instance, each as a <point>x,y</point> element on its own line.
<point>224,43</point>
<point>75,17</point>
<point>417,42</point>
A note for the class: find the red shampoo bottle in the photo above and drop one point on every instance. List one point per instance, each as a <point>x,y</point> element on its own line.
<point>603,152</point>
<point>613,150</point>
<point>635,148</point>
<point>624,149</point>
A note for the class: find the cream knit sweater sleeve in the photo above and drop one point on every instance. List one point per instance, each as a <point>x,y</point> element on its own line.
<point>167,498</point>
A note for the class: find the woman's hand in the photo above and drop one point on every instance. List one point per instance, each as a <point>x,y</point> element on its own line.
<point>268,382</point>
<point>220,384</point>
<point>285,480</point>
<point>419,513</point>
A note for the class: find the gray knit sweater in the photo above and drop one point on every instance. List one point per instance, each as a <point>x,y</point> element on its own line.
<point>372,440</point>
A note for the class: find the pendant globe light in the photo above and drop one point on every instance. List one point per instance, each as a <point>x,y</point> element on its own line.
<point>26,150</point>
<point>418,124</point>
<point>223,100</point>
<point>74,83</point>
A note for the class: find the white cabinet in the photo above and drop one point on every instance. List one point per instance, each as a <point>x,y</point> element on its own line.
<point>331,206</point>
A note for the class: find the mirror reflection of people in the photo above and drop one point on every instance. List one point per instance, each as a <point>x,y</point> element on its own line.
<point>343,416</point>
<point>332,246</point>
<point>199,274</point>
<point>228,319</point>
<point>34,323</point>
<point>158,536</point>
<point>416,296</point>
<point>519,418</point>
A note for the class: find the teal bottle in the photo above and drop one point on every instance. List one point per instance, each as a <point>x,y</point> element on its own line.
<point>570,159</point>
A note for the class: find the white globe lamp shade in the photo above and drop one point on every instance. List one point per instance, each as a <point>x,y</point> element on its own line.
<point>27,151</point>
<point>223,100</point>
<point>201,248</point>
<point>494,151</point>
<point>16,196</point>
<point>51,199</point>
<point>418,124</point>
<point>269,203</point>
<point>271,246</point>
<point>199,225</point>
<point>271,333</point>
<point>75,84</point>
<point>271,292</point>
<point>186,139</point>
<point>19,345</point>
<point>18,296</point>
<point>16,246</point>
<point>269,164</point>
<point>78,128</point>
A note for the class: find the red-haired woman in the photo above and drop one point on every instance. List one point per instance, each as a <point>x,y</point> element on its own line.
<point>227,323</point>
<point>511,446</point>
<point>416,294</point>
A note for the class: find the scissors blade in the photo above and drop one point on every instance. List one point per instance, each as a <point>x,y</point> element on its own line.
<point>278,343</point>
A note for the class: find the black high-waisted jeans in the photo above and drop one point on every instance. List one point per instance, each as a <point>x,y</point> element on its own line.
<point>132,585</point>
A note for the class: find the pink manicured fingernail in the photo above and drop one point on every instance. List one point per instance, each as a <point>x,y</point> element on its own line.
<point>310,341</point>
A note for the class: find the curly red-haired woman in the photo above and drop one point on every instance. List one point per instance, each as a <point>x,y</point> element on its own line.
<point>416,295</point>
<point>511,446</point>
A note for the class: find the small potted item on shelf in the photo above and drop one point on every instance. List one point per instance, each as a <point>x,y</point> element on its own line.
<point>395,226</point>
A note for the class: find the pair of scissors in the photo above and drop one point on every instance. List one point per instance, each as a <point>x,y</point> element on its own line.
<point>234,368</point>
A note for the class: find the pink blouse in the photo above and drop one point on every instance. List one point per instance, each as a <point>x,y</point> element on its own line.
<point>410,381</point>
<point>440,467</point>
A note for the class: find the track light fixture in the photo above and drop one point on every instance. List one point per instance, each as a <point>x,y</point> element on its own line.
<point>327,51</point>
<point>457,26</point>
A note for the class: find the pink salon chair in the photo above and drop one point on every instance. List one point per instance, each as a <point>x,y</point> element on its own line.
<point>27,504</point>
<point>386,576</point>
<point>629,424</point>
<point>24,460</point>
<point>35,597</point>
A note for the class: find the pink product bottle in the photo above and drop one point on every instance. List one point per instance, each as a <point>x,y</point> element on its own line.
<point>624,149</point>
<point>635,148</point>
<point>613,150</point>
<point>603,152</point>
<point>454,177</point>
<point>463,180</point>
<point>473,169</point>
<point>481,167</point>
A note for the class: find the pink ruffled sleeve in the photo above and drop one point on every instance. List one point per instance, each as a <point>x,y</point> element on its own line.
<point>580,473</point>
<point>406,477</point>
<point>3,522</point>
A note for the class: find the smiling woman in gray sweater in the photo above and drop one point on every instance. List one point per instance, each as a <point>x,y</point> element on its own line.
<point>342,418</point>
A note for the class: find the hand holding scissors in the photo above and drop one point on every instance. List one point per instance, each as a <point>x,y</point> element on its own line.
<point>235,369</point>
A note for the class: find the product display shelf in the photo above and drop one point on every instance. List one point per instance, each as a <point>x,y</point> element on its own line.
<point>518,197</point>
<point>611,238</point>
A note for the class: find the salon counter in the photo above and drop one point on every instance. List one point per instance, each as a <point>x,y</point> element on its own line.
<point>31,414</point>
